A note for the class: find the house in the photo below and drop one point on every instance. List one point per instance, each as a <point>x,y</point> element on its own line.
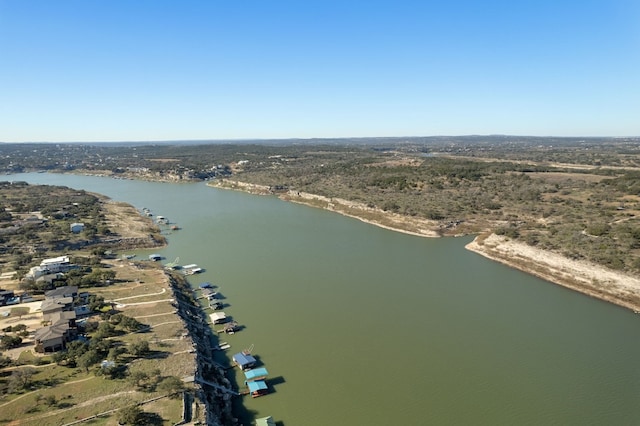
<point>255,374</point>
<point>56,264</point>
<point>258,388</point>
<point>49,278</point>
<point>50,266</point>
<point>61,292</point>
<point>51,338</point>
<point>218,317</point>
<point>82,311</point>
<point>5,296</point>
<point>77,227</point>
<point>56,305</point>
<point>244,360</point>
<point>265,421</point>
<point>37,272</point>
<point>55,336</point>
<point>55,317</point>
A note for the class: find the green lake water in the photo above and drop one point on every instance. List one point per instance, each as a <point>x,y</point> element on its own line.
<point>359,325</point>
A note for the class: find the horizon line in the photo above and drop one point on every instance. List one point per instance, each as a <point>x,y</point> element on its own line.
<point>232,140</point>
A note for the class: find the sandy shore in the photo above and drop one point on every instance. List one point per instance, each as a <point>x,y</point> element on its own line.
<point>582,276</point>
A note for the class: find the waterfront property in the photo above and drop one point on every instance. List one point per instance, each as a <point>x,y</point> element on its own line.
<point>258,388</point>
<point>218,317</point>
<point>215,304</point>
<point>255,374</point>
<point>441,283</point>
<point>230,328</point>
<point>50,266</point>
<point>209,294</point>
<point>244,360</point>
<point>191,269</point>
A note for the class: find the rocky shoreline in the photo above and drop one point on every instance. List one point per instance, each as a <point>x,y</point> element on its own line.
<point>593,280</point>
<point>578,275</point>
<point>217,401</point>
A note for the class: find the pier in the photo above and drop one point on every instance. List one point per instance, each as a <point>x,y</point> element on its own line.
<point>217,386</point>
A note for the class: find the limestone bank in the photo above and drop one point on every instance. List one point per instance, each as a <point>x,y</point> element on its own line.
<point>585,277</point>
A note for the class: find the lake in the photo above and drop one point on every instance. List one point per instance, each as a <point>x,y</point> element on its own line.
<point>361,325</point>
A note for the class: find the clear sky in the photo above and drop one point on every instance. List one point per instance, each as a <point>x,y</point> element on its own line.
<point>126,70</point>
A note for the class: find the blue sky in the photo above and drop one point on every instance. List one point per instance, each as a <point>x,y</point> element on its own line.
<point>125,70</point>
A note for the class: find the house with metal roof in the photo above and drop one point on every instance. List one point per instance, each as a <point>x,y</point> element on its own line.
<point>255,374</point>
<point>244,360</point>
<point>258,388</point>
<point>218,317</point>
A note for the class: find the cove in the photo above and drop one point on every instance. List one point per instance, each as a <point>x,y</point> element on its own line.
<point>362,325</point>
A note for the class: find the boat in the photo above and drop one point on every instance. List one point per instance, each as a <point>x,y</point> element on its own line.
<point>229,328</point>
<point>192,269</point>
<point>221,346</point>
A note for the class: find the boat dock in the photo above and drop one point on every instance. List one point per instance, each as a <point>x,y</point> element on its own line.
<point>256,383</point>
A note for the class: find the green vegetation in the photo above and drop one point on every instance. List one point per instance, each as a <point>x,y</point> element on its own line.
<point>56,388</point>
<point>576,196</point>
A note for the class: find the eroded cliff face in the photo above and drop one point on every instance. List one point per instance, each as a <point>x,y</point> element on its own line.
<point>213,394</point>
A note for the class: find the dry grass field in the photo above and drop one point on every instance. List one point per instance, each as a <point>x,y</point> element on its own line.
<point>141,290</point>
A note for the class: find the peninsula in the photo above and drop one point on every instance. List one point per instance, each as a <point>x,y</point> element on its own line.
<point>90,331</point>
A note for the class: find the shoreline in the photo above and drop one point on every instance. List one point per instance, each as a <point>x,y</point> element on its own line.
<point>581,276</point>
<point>578,275</point>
